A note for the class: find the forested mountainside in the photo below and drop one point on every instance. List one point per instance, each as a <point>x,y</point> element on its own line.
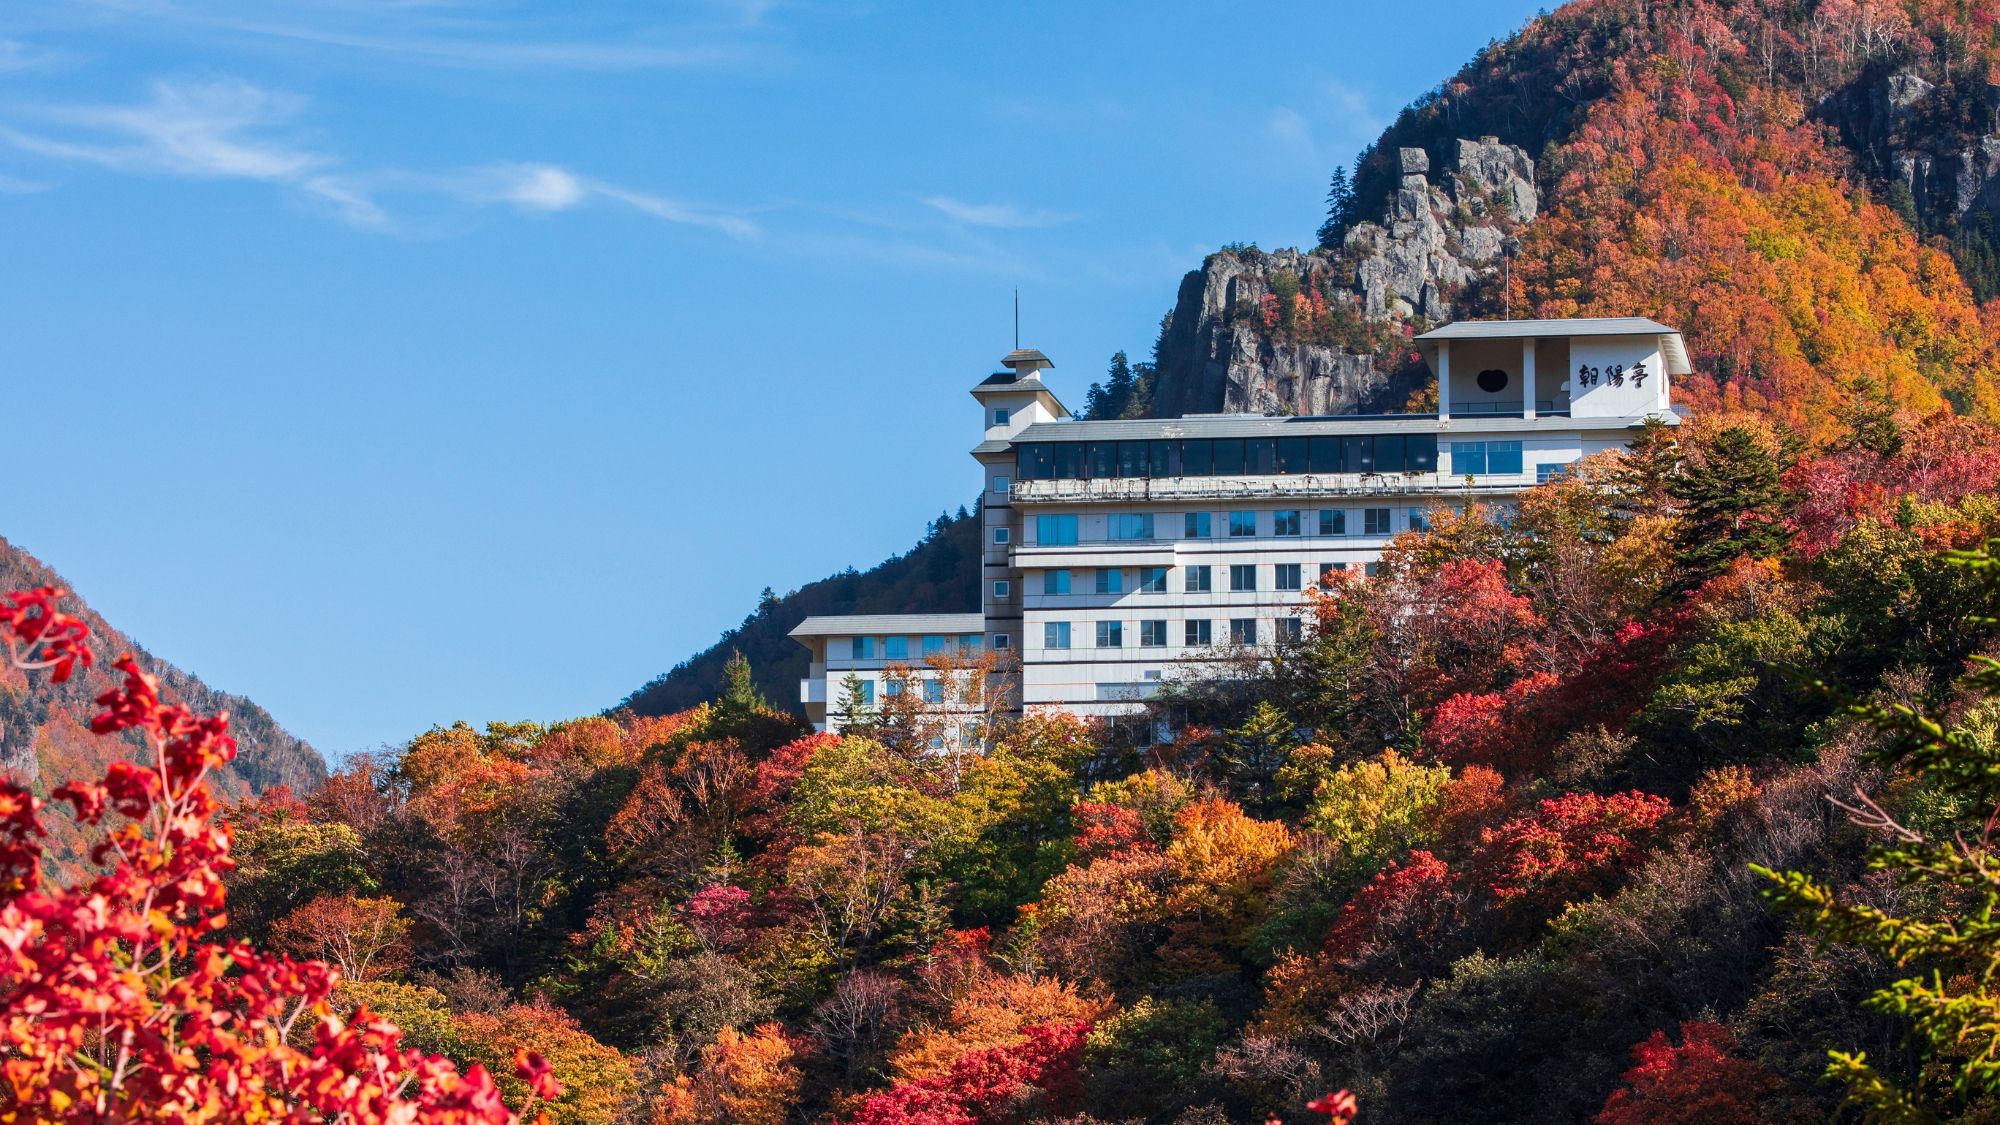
<point>938,575</point>
<point>45,737</point>
<point>1806,188</point>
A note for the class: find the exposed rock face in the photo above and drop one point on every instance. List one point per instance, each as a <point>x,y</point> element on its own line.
<point>1436,238</point>
<point>1944,149</point>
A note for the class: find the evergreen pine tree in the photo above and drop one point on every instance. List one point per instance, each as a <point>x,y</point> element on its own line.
<point>1731,506</point>
<point>739,690</point>
<point>854,710</point>
<point>1339,210</point>
<point>1108,399</point>
<point>1251,755</point>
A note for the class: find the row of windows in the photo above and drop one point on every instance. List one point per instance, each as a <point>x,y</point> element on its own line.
<point>898,648</point>
<point>1153,634</point>
<point>1202,457</point>
<point>933,690</point>
<point>1243,577</point>
<point>1225,457</point>
<point>1062,530</point>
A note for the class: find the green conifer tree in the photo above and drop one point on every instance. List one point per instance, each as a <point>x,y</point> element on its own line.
<point>1731,505</point>
<point>739,689</point>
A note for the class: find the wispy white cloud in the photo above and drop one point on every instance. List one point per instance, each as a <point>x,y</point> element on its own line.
<point>1003,215</point>
<point>567,37</point>
<point>229,130</point>
<point>1328,127</point>
<point>19,56</point>
<point>19,185</point>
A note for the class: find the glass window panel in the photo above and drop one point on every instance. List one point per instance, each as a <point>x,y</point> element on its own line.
<point>933,643</point>
<point>1290,629</point>
<point>1260,456</point>
<point>1333,521</point>
<point>1035,461</point>
<point>1389,453</point>
<point>1055,531</point>
<point>1326,454</point>
<point>1422,453</point>
<point>1103,460</point>
<point>1152,579</point>
<point>1375,521</point>
<point>1243,630</point>
<point>1166,458</point>
<point>1468,458</point>
<point>1198,579</point>
<point>1055,634</point>
<point>934,689</point>
<point>1152,634</point>
<point>1199,634</point>
<point>1069,460</point>
<point>898,648</point>
<point>1292,455</point>
<point>1285,522</point>
<point>1242,525</point>
<point>1357,454</point>
<point>1197,457</point>
<point>1195,525</point>
<point>1055,582</point>
<point>1132,458</point>
<point>1110,580</point>
<point>1132,526</point>
<point>1420,520</point>
<point>1110,634</point>
<point>1229,457</point>
<point>864,648</point>
<point>1287,576</point>
<point>1243,577</point>
<point>1503,457</point>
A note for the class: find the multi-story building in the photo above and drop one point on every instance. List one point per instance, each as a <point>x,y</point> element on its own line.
<point>1114,550</point>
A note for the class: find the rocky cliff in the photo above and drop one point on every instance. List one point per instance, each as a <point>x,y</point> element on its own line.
<point>1319,332</point>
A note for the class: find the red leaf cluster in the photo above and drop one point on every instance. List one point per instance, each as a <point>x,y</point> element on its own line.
<point>1702,1080</point>
<point>984,1083</point>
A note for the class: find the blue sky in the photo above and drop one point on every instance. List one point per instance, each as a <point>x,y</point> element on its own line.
<point>394,362</point>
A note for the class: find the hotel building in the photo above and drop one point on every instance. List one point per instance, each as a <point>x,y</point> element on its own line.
<point>1114,550</point>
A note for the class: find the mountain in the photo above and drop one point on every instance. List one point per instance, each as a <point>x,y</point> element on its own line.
<point>938,575</point>
<point>1806,189</point>
<point>45,726</point>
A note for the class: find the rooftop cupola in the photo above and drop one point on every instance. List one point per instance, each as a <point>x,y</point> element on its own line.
<point>1016,397</point>
<point>1025,362</point>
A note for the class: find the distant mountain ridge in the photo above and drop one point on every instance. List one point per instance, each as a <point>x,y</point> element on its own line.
<point>45,737</point>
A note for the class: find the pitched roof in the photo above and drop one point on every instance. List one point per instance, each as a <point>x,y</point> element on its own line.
<point>1671,345</point>
<point>888,624</point>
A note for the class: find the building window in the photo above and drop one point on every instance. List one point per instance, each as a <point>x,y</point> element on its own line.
<point>969,642</point>
<point>1002,534</point>
<point>1055,582</point>
<point>1132,527</point>
<point>1287,576</point>
<point>1546,472</point>
<point>1110,580</point>
<point>933,643</point>
<point>1001,643</point>
<point>864,648</point>
<point>1055,634</point>
<point>1000,415</point>
<point>1110,634</point>
<point>1194,525</point>
<point>1000,485</point>
<point>1420,520</point>
<point>1152,579</point>
<point>1242,525</point>
<point>892,688</point>
<point>933,691</point>
<point>1372,569</point>
<point>1152,634</point>
<point>1332,522</point>
<point>1242,577</point>
<point>1375,521</point>
<point>1285,522</point>
<point>1199,634</point>
<point>1055,531</point>
<point>1197,580</point>
<point>1291,629</point>
<point>1326,571</point>
<point>1243,630</point>
<point>1003,590</point>
<point>1485,458</point>
<point>867,691</point>
<point>896,648</point>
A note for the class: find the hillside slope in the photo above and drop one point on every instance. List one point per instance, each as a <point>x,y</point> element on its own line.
<point>44,726</point>
<point>938,575</point>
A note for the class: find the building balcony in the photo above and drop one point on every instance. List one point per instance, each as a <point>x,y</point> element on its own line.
<point>1360,486</point>
<point>812,691</point>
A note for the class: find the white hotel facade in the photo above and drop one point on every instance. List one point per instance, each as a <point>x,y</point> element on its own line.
<point>1115,550</point>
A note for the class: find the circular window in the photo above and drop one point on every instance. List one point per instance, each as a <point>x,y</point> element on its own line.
<point>1492,380</point>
